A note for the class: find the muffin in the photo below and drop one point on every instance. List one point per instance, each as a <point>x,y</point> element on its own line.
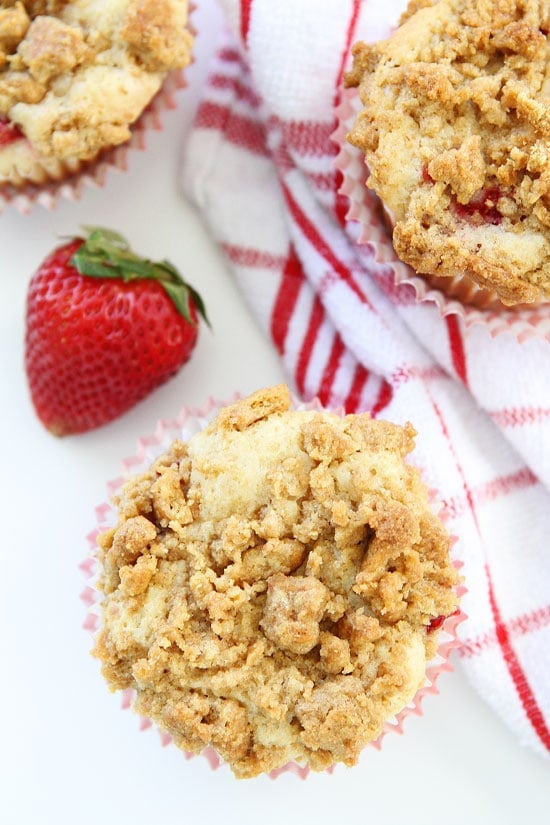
<point>73,79</point>
<point>274,587</point>
<point>455,129</point>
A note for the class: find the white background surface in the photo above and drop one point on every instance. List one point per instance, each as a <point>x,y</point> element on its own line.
<point>68,754</point>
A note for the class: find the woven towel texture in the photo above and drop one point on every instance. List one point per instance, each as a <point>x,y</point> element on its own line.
<point>260,165</point>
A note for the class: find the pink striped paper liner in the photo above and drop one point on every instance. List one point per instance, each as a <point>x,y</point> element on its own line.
<point>94,174</point>
<point>366,210</point>
<point>188,422</point>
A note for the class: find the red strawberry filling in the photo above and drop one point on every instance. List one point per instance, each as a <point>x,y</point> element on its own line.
<point>435,624</point>
<point>426,177</point>
<point>437,621</point>
<point>9,133</point>
<point>483,205</point>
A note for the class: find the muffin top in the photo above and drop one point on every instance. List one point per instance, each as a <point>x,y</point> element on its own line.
<point>75,75</point>
<point>273,587</point>
<point>456,133</point>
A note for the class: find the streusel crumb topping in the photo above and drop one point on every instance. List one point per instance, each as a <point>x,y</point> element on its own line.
<point>272,586</point>
<point>456,134</point>
<point>75,75</point>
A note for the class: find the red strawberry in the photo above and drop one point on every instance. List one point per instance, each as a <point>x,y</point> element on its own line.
<point>104,328</point>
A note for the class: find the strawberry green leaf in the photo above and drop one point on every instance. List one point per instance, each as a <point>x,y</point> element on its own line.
<point>96,267</point>
<point>106,254</point>
<point>180,297</point>
<point>199,303</point>
<point>99,238</point>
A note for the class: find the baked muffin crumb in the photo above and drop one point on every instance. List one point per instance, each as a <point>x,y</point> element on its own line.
<point>456,134</point>
<point>271,586</point>
<point>74,80</point>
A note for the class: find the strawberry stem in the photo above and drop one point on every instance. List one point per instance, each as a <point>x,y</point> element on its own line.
<point>107,254</point>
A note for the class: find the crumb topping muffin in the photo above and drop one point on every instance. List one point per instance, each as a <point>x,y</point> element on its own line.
<point>74,76</point>
<point>275,586</point>
<point>456,134</point>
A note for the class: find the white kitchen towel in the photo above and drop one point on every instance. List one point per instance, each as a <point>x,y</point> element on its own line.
<point>259,164</point>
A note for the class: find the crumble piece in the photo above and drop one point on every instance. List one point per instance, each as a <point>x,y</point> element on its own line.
<point>14,23</point>
<point>155,31</point>
<point>51,48</point>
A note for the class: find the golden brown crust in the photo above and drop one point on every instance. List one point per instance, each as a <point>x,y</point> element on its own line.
<point>456,133</point>
<point>153,35</point>
<point>14,23</point>
<point>75,80</point>
<point>259,405</point>
<point>270,586</point>
<point>414,6</point>
<point>51,48</point>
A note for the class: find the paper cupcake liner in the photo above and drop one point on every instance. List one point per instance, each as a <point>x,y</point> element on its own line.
<point>183,427</point>
<point>93,174</point>
<point>451,296</point>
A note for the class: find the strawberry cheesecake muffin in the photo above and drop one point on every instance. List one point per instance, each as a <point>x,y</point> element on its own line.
<point>455,129</point>
<point>275,586</point>
<point>75,76</point>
